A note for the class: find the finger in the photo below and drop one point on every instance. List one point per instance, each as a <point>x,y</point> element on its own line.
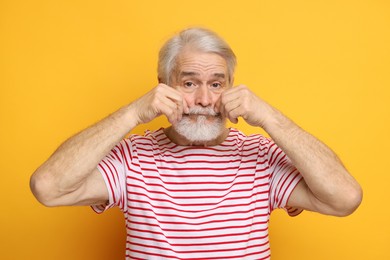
<point>217,106</point>
<point>171,95</point>
<point>179,114</point>
<point>177,97</point>
<point>169,108</point>
<point>228,101</point>
<point>230,95</point>
<point>234,114</point>
<point>186,108</point>
<point>225,98</point>
<point>170,92</point>
<point>181,102</point>
<point>231,105</point>
<point>170,112</point>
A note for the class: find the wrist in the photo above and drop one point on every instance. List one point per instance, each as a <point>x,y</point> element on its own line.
<point>277,122</point>
<point>128,116</point>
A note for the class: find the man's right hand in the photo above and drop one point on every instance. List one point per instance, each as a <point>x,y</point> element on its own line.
<point>161,100</point>
<point>70,176</point>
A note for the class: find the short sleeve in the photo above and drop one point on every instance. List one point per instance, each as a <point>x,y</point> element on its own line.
<point>113,170</point>
<point>284,177</point>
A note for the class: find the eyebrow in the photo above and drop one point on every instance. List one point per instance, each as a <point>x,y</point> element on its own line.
<point>188,73</point>
<point>191,73</point>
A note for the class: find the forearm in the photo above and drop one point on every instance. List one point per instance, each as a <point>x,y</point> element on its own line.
<point>68,167</point>
<point>327,187</point>
<point>322,170</point>
<point>70,177</point>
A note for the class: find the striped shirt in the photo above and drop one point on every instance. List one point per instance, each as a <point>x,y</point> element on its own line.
<point>192,202</point>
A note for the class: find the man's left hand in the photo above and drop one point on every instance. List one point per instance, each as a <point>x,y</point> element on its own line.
<point>241,102</point>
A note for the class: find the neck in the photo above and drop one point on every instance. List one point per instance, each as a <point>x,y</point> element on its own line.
<point>178,139</point>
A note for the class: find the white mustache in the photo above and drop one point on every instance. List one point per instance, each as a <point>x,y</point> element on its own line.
<point>207,111</point>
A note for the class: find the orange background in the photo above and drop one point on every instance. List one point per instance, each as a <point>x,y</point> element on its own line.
<point>66,64</point>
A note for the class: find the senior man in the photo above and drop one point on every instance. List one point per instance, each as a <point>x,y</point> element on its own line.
<point>197,190</point>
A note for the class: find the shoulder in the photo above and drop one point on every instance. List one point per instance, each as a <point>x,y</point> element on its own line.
<point>150,140</point>
<point>253,144</point>
<point>240,137</point>
<point>148,136</point>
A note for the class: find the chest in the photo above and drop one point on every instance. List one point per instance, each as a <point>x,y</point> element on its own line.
<point>198,189</point>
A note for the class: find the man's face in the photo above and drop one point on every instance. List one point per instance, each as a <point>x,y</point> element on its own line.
<point>201,78</point>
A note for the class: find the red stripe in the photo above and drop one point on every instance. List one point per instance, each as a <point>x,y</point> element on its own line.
<point>159,133</point>
<point>167,144</point>
<point>192,237</point>
<point>124,156</point>
<point>197,244</point>
<point>221,175</point>
<point>200,197</point>
<point>115,153</point>
<point>196,251</point>
<point>187,183</point>
<point>194,211</point>
<point>148,147</point>
<point>180,182</point>
<point>288,186</point>
<point>137,169</point>
<point>224,168</point>
<point>176,156</point>
<point>247,141</point>
<point>201,161</point>
<point>283,190</point>
<point>146,142</point>
<point>192,183</point>
<point>222,257</point>
<point>271,152</point>
<point>281,162</point>
<point>109,182</point>
<point>195,204</point>
<point>273,160</point>
<point>199,223</point>
<point>129,151</point>
<point>116,177</point>
<point>190,190</point>
<point>197,217</point>
<point>206,188</point>
<point>195,230</point>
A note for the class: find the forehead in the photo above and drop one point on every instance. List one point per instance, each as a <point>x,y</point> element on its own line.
<point>201,63</point>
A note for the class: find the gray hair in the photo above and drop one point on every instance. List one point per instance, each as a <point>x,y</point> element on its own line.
<point>199,39</point>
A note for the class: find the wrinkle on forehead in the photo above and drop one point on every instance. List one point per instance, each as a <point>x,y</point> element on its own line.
<point>200,63</point>
<point>192,73</point>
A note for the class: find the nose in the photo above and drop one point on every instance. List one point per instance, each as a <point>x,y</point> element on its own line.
<point>203,97</point>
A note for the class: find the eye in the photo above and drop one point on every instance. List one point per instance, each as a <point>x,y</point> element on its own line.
<point>189,84</point>
<point>216,85</point>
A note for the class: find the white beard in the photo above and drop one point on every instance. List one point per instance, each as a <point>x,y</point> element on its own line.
<point>200,128</point>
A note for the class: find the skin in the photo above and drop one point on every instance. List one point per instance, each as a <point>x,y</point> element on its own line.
<point>70,176</point>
